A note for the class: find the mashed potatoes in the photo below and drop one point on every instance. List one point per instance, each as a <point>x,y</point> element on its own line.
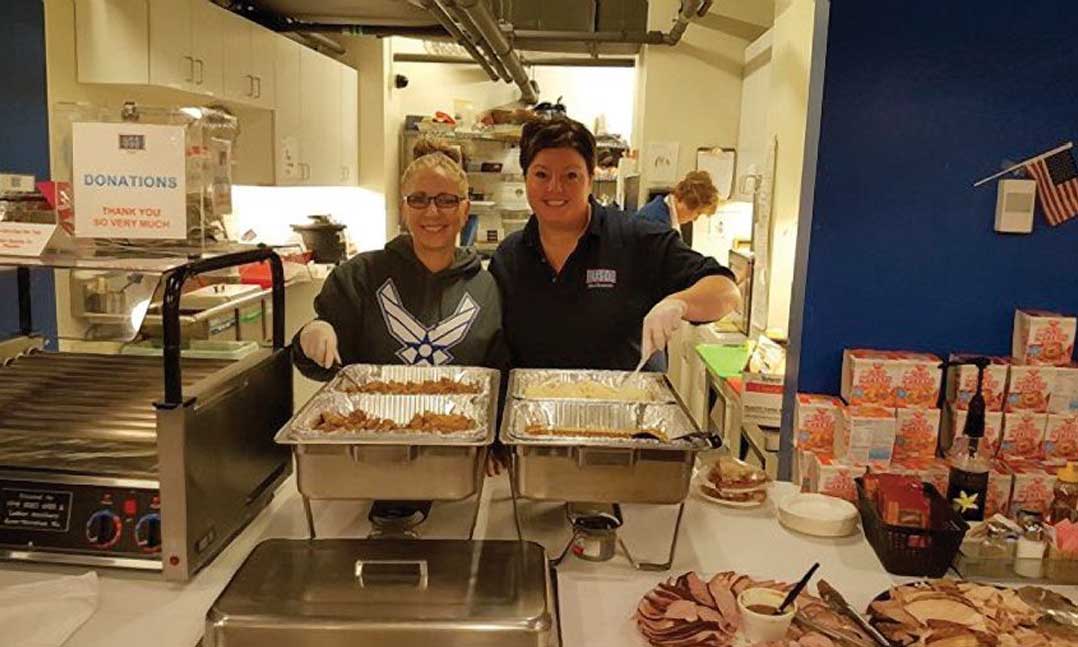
<point>587,390</point>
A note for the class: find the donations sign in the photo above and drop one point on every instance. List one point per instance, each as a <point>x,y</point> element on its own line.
<point>129,180</point>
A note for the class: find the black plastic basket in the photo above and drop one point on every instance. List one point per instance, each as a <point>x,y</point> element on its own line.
<point>914,551</point>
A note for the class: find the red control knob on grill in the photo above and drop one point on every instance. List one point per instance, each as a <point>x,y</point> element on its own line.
<point>103,529</point>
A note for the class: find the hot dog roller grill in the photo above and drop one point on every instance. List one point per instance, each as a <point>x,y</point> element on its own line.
<point>138,462</point>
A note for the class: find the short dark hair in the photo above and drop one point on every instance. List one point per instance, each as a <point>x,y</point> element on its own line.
<point>559,132</point>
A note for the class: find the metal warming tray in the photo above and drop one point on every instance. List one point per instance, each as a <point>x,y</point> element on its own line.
<point>345,592</point>
<point>398,465</point>
<point>547,384</point>
<point>564,465</point>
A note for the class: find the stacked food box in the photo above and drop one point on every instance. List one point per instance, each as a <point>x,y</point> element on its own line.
<point>887,420</point>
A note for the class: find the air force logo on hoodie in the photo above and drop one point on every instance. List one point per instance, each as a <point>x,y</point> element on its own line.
<point>424,346</point>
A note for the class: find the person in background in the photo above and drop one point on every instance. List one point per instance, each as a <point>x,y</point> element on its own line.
<point>694,196</point>
<point>582,285</point>
<point>421,300</point>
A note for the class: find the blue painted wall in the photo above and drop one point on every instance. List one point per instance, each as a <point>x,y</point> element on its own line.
<point>24,133</point>
<point>921,98</point>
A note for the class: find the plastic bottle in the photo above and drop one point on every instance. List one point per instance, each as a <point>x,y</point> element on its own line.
<point>1065,495</point>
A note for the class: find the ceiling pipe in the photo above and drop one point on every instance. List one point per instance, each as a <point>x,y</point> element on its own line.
<point>378,31</point>
<point>446,21</point>
<point>521,36</point>
<point>468,26</point>
<point>689,9</point>
<point>503,51</point>
<point>559,61</point>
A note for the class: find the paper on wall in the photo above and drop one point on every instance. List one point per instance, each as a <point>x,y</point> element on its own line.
<point>660,162</point>
<point>719,164</point>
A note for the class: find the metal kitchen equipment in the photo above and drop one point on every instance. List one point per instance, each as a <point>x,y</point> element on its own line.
<point>623,468</point>
<point>399,465</point>
<point>324,237</point>
<point>94,471</point>
<point>344,592</point>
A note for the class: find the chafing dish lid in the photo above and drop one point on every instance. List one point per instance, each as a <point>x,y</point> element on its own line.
<point>363,586</point>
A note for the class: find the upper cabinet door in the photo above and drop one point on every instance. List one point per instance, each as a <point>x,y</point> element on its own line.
<point>288,119</point>
<point>207,22</point>
<point>263,61</point>
<point>239,83</point>
<point>349,126</point>
<point>104,27</point>
<point>172,62</point>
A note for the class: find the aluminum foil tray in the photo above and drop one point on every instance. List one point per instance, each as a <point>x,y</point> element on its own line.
<point>301,429</point>
<point>548,384</point>
<point>568,416</point>
<point>349,376</point>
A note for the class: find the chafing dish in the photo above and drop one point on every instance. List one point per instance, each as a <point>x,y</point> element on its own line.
<point>400,465</point>
<point>601,452</point>
<point>573,467</point>
<point>344,592</point>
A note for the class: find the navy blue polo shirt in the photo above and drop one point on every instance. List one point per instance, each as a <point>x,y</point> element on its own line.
<point>590,315</point>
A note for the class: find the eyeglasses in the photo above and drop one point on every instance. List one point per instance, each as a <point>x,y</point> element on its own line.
<point>442,201</point>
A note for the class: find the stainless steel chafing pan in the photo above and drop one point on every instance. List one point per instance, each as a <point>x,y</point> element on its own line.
<point>399,465</point>
<point>564,465</point>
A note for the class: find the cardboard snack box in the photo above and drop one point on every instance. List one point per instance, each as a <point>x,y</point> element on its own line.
<point>1023,435</point>
<point>867,436</point>
<point>816,418</point>
<point>1043,338</point>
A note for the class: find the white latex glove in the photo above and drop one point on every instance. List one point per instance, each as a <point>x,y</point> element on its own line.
<point>319,343</point>
<point>659,324</point>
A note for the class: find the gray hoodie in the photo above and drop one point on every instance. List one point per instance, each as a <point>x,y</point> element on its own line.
<point>388,308</point>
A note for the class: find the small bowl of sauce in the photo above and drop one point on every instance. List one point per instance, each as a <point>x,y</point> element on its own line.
<point>759,618</point>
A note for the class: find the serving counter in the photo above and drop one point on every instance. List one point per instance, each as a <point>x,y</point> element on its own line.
<point>596,600</point>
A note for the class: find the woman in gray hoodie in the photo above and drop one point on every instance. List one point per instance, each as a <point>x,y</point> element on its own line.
<point>419,301</point>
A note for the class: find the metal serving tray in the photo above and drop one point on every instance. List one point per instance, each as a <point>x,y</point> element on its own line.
<point>601,469</point>
<point>522,383</point>
<point>345,592</point>
<point>398,408</point>
<point>399,465</point>
<point>360,374</point>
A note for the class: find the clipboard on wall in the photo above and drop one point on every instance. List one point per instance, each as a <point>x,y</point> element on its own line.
<point>720,164</point>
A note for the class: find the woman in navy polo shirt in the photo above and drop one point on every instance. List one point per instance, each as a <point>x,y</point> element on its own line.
<point>694,196</point>
<point>586,286</point>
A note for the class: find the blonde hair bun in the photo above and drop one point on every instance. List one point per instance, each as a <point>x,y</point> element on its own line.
<point>429,146</point>
<point>436,154</point>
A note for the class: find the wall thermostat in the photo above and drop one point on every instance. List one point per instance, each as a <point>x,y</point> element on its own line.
<point>1014,206</point>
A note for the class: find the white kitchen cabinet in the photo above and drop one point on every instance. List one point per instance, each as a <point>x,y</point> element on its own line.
<point>103,28</point>
<point>207,46</point>
<point>239,83</point>
<point>172,62</point>
<point>316,139</point>
<point>263,48</point>
<point>186,45</point>
<point>288,113</point>
<point>349,125</point>
<point>315,72</point>
<point>249,62</point>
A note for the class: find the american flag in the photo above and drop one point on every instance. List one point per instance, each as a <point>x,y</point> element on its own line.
<point>1057,185</point>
